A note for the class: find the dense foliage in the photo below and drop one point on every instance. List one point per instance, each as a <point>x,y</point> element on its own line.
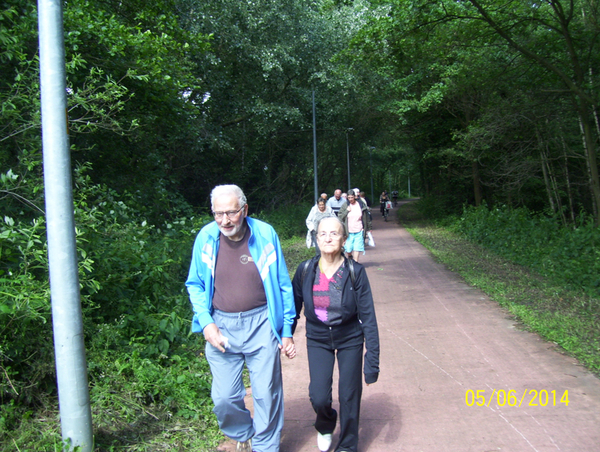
<point>461,102</point>
<point>471,100</point>
<point>144,366</point>
<point>570,256</point>
<point>496,100</point>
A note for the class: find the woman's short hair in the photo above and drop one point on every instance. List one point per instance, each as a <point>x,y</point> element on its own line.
<point>351,193</point>
<point>234,190</point>
<point>337,220</point>
<point>321,201</point>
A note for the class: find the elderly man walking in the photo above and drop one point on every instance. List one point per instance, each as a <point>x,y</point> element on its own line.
<point>242,298</point>
<point>336,202</point>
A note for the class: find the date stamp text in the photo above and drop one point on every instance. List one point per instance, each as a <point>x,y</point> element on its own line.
<point>529,397</point>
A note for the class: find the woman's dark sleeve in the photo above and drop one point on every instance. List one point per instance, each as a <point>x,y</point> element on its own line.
<point>297,289</point>
<point>366,312</point>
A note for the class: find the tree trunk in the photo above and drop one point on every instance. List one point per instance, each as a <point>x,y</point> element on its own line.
<point>568,180</point>
<point>592,164</point>
<point>544,160</point>
<point>476,183</point>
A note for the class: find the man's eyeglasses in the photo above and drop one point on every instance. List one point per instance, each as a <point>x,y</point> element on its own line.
<point>230,213</point>
<point>334,235</point>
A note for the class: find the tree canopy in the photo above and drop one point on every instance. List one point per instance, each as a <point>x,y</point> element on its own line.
<point>477,100</point>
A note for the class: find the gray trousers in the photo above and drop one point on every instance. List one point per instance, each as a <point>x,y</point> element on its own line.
<point>251,341</point>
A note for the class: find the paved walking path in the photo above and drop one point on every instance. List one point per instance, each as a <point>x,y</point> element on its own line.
<point>440,340</point>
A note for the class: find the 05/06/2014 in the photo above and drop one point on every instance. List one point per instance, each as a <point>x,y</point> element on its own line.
<point>530,397</point>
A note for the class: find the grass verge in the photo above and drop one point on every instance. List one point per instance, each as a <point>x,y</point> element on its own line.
<point>564,317</point>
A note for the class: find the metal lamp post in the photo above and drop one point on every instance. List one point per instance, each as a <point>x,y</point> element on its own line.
<point>349,129</point>
<point>71,367</point>
<point>316,183</point>
<point>371,165</point>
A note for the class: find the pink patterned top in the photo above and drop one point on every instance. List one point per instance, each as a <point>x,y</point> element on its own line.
<point>327,297</point>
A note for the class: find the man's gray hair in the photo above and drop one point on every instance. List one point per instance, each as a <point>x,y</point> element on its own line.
<point>234,190</point>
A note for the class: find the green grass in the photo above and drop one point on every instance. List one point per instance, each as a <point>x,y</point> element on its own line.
<point>295,252</point>
<point>568,318</point>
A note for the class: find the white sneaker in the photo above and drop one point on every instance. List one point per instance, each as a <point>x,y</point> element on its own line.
<point>324,441</point>
<point>245,446</point>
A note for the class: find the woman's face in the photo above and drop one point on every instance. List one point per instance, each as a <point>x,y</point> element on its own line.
<point>330,236</point>
<point>351,199</point>
<point>321,206</point>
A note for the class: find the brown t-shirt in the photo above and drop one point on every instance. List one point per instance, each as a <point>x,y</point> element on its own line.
<point>238,286</point>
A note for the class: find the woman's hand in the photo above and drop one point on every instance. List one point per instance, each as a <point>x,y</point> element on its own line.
<point>288,347</point>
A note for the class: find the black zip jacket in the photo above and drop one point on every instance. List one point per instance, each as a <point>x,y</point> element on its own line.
<point>358,314</point>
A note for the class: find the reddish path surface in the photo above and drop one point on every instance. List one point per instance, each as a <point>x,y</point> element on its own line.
<point>439,339</point>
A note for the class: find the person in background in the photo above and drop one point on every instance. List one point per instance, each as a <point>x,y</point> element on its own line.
<point>382,200</point>
<point>317,212</point>
<point>368,203</point>
<point>340,321</point>
<point>357,195</point>
<point>365,199</point>
<point>242,299</point>
<point>355,216</point>
<point>324,196</point>
<point>336,202</point>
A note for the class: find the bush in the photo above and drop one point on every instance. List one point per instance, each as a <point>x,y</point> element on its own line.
<point>567,255</point>
<point>289,221</point>
<point>145,373</point>
<point>131,274</point>
<point>438,208</point>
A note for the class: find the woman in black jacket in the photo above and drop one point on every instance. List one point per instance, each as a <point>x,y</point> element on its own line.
<point>340,318</point>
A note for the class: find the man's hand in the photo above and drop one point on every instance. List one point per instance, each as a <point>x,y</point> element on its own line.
<point>213,336</point>
<point>288,347</point>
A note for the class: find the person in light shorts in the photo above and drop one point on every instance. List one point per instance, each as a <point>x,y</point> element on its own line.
<point>355,216</point>
<point>355,242</point>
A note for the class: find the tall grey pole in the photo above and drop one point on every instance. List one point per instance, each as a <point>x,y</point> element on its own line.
<point>349,129</point>
<point>315,145</point>
<point>71,368</point>
<point>371,166</point>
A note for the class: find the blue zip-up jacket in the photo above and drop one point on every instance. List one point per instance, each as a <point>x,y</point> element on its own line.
<point>266,252</point>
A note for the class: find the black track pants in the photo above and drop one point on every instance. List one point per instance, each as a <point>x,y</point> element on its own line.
<point>321,359</point>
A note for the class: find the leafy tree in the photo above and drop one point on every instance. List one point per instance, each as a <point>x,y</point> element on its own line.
<point>458,65</point>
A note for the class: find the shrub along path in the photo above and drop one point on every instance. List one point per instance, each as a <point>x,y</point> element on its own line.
<point>442,341</point>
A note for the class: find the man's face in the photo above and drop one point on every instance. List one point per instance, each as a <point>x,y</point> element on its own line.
<point>337,194</point>
<point>232,227</point>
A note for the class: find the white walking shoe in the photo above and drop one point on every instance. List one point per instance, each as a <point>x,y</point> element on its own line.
<point>324,441</point>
